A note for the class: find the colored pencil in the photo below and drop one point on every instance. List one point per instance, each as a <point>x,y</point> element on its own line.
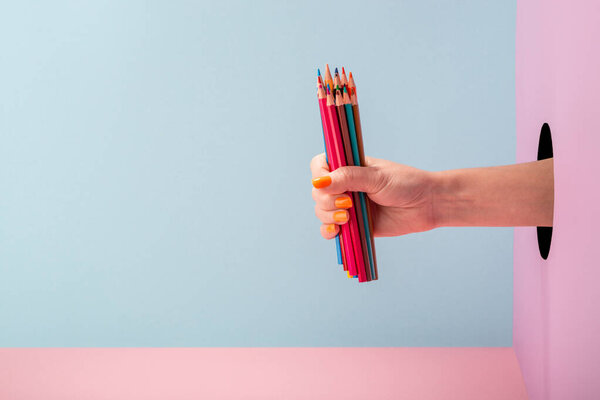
<point>361,153</point>
<point>345,237</point>
<point>328,78</point>
<point>363,201</point>
<point>354,262</point>
<point>335,162</point>
<point>342,135</point>
<point>357,249</point>
<point>336,81</point>
<point>361,256</point>
<point>328,148</point>
<point>343,79</point>
<point>338,249</point>
<point>336,154</point>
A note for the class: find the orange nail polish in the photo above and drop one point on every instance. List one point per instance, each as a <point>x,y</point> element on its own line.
<point>343,202</point>
<point>340,216</point>
<point>322,181</point>
<point>330,228</point>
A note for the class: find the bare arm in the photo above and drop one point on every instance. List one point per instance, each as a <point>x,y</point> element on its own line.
<point>510,195</point>
<point>407,199</point>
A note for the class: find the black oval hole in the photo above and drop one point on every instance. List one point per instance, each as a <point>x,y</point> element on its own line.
<point>544,233</point>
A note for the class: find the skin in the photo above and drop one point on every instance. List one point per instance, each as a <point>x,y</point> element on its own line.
<point>407,200</point>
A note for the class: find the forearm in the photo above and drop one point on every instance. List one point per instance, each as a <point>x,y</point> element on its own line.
<point>511,195</point>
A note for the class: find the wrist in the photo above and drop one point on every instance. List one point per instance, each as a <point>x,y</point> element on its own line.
<point>451,203</point>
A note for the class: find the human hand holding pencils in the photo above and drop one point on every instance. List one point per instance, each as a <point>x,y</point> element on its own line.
<point>401,196</point>
<point>406,199</point>
<point>358,198</point>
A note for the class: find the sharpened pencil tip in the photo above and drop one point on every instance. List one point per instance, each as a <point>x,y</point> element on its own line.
<point>350,75</point>
<point>336,71</point>
<point>343,71</point>
<point>318,72</point>
<point>345,90</point>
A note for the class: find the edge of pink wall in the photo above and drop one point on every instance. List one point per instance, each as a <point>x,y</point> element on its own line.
<point>556,327</point>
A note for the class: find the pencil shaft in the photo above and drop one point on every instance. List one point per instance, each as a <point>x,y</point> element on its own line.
<point>342,135</point>
<point>361,154</point>
<point>362,198</point>
<point>351,224</point>
<point>331,160</point>
<point>355,210</point>
<point>338,250</point>
<point>336,162</point>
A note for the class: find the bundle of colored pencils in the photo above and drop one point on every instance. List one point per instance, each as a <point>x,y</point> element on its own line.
<point>342,133</point>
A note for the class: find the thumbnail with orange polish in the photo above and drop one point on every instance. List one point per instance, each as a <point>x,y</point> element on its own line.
<point>321,182</point>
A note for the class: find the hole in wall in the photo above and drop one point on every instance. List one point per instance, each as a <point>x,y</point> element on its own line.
<point>544,233</point>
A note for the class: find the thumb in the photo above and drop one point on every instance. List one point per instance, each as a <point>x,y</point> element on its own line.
<point>352,179</point>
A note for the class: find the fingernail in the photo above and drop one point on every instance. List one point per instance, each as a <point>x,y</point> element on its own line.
<point>322,181</point>
<point>340,216</point>
<point>343,202</point>
<point>330,228</point>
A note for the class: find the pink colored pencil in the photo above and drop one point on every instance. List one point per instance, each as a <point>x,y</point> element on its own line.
<point>356,257</point>
<point>330,156</point>
<point>335,162</point>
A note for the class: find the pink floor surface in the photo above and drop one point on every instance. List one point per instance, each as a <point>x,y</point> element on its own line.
<point>260,373</point>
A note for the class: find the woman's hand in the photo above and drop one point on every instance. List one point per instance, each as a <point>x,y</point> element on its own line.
<point>406,199</point>
<point>401,196</point>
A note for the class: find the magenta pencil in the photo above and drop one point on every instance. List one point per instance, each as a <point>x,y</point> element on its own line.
<point>352,225</point>
<point>336,162</point>
<point>330,156</point>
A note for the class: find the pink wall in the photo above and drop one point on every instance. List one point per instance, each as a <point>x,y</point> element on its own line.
<point>557,302</point>
<point>259,373</point>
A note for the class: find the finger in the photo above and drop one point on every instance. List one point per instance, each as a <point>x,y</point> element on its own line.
<point>330,201</point>
<point>338,217</point>
<point>329,231</point>
<point>318,165</point>
<point>350,179</point>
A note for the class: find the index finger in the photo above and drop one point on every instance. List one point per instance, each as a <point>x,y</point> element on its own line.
<point>318,166</point>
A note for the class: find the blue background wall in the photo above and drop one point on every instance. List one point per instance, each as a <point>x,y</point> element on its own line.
<point>154,180</point>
